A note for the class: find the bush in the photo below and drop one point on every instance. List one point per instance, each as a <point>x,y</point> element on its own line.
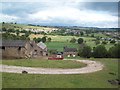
<point>104,42</point>
<point>80,41</point>
<point>114,52</point>
<point>49,39</point>
<point>43,39</point>
<point>113,41</point>
<point>86,52</point>
<point>73,40</point>
<point>92,35</point>
<point>97,42</point>
<point>100,52</point>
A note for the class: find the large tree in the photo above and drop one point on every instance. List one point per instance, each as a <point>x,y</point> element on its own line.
<point>49,39</point>
<point>73,40</point>
<point>114,51</point>
<point>43,39</point>
<point>100,52</point>
<point>86,52</point>
<point>80,40</point>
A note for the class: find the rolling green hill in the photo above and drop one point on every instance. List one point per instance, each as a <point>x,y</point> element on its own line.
<point>22,26</point>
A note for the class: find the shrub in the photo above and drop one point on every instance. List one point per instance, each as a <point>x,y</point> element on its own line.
<point>43,39</point>
<point>114,51</point>
<point>49,39</point>
<point>104,42</point>
<point>86,52</point>
<point>113,41</point>
<point>73,40</point>
<point>80,40</point>
<point>97,42</point>
<point>100,52</point>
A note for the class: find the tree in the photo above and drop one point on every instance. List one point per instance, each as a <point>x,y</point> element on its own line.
<point>73,40</point>
<point>104,42</point>
<point>49,39</point>
<point>80,40</point>
<point>17,32</point>
<point>3,22</point>
<point>100,52</point>
<point>86,52</point>
<point>97,42</point>
<point>92,35</point>
<point>43,39</point>
<point>27,34</point>
<point>81,33</point>
<point>112,41</point>
<point>114,52</point>
<point>4,29</point>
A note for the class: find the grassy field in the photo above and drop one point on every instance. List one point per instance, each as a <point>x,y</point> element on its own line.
<point>59,45</point>
<point>23,26</point>
<point>58,42</point>
<point>45,63</point>
<point>92,80</point>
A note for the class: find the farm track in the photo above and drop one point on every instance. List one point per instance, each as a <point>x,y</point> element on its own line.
<point>92,66</point>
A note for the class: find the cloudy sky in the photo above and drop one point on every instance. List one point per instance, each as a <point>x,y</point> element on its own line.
<point>61,12</point>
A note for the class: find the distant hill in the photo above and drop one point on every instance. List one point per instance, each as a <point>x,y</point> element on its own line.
<point>30,26</point>
<point>24,27</point>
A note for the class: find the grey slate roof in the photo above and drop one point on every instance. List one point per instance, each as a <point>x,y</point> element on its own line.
<point>42,45</point>
<point>66,49</point>
<point>13,43</point>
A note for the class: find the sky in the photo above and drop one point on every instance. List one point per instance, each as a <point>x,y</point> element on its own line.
<point>61,13</point>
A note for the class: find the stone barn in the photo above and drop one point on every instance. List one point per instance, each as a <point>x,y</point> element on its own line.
<point>20,49</point>
<point>40,49</point>
<point>70,52</point>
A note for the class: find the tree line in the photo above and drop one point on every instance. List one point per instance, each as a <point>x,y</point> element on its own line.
<point>99,51</point>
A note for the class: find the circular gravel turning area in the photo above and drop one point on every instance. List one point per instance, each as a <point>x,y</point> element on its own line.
<point>92,66</point>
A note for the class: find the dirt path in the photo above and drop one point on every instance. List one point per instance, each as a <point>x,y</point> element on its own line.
<point>92,66</point>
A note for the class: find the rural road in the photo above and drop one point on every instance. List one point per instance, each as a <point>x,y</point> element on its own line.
<point>92,66</point>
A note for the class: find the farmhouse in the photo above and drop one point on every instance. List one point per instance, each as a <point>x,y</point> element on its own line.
<point>43,47</point>
<point>70,52</point>
<point>20,49</point>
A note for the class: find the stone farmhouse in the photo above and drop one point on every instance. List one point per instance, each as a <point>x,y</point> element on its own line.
<point>22,49</point>
<point>70,52</point>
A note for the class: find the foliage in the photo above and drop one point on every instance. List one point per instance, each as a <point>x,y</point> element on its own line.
<point>92,35</point>
<point>114,51</point>
<point>9,36</point>
<point>43,39</point>
<point>80,40</point>
<point>86,52</point>
<point>37,40</point>
<point>112,41</point>
<point>73,40</point>
<point>104,42</point>
<point>81,33</point>
<point>100,52</point>
<point>97,42</point>
<point>49,39</point>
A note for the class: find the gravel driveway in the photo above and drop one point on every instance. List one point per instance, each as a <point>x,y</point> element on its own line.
<point>92,66</point>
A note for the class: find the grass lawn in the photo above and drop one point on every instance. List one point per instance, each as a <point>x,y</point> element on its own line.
<point>101,35</point>
<point>45,63</point>
<point>92,80</point>
<point>59,45</point>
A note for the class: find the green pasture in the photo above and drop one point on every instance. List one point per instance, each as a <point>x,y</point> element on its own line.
<point>92,80</point>
<point>58,42</point>
<point>59,45</point>
<point>44,63</point>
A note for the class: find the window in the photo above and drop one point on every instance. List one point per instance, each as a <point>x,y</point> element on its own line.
<point>3,47</point>
<point>35,52</point>
<point>19,48</point>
